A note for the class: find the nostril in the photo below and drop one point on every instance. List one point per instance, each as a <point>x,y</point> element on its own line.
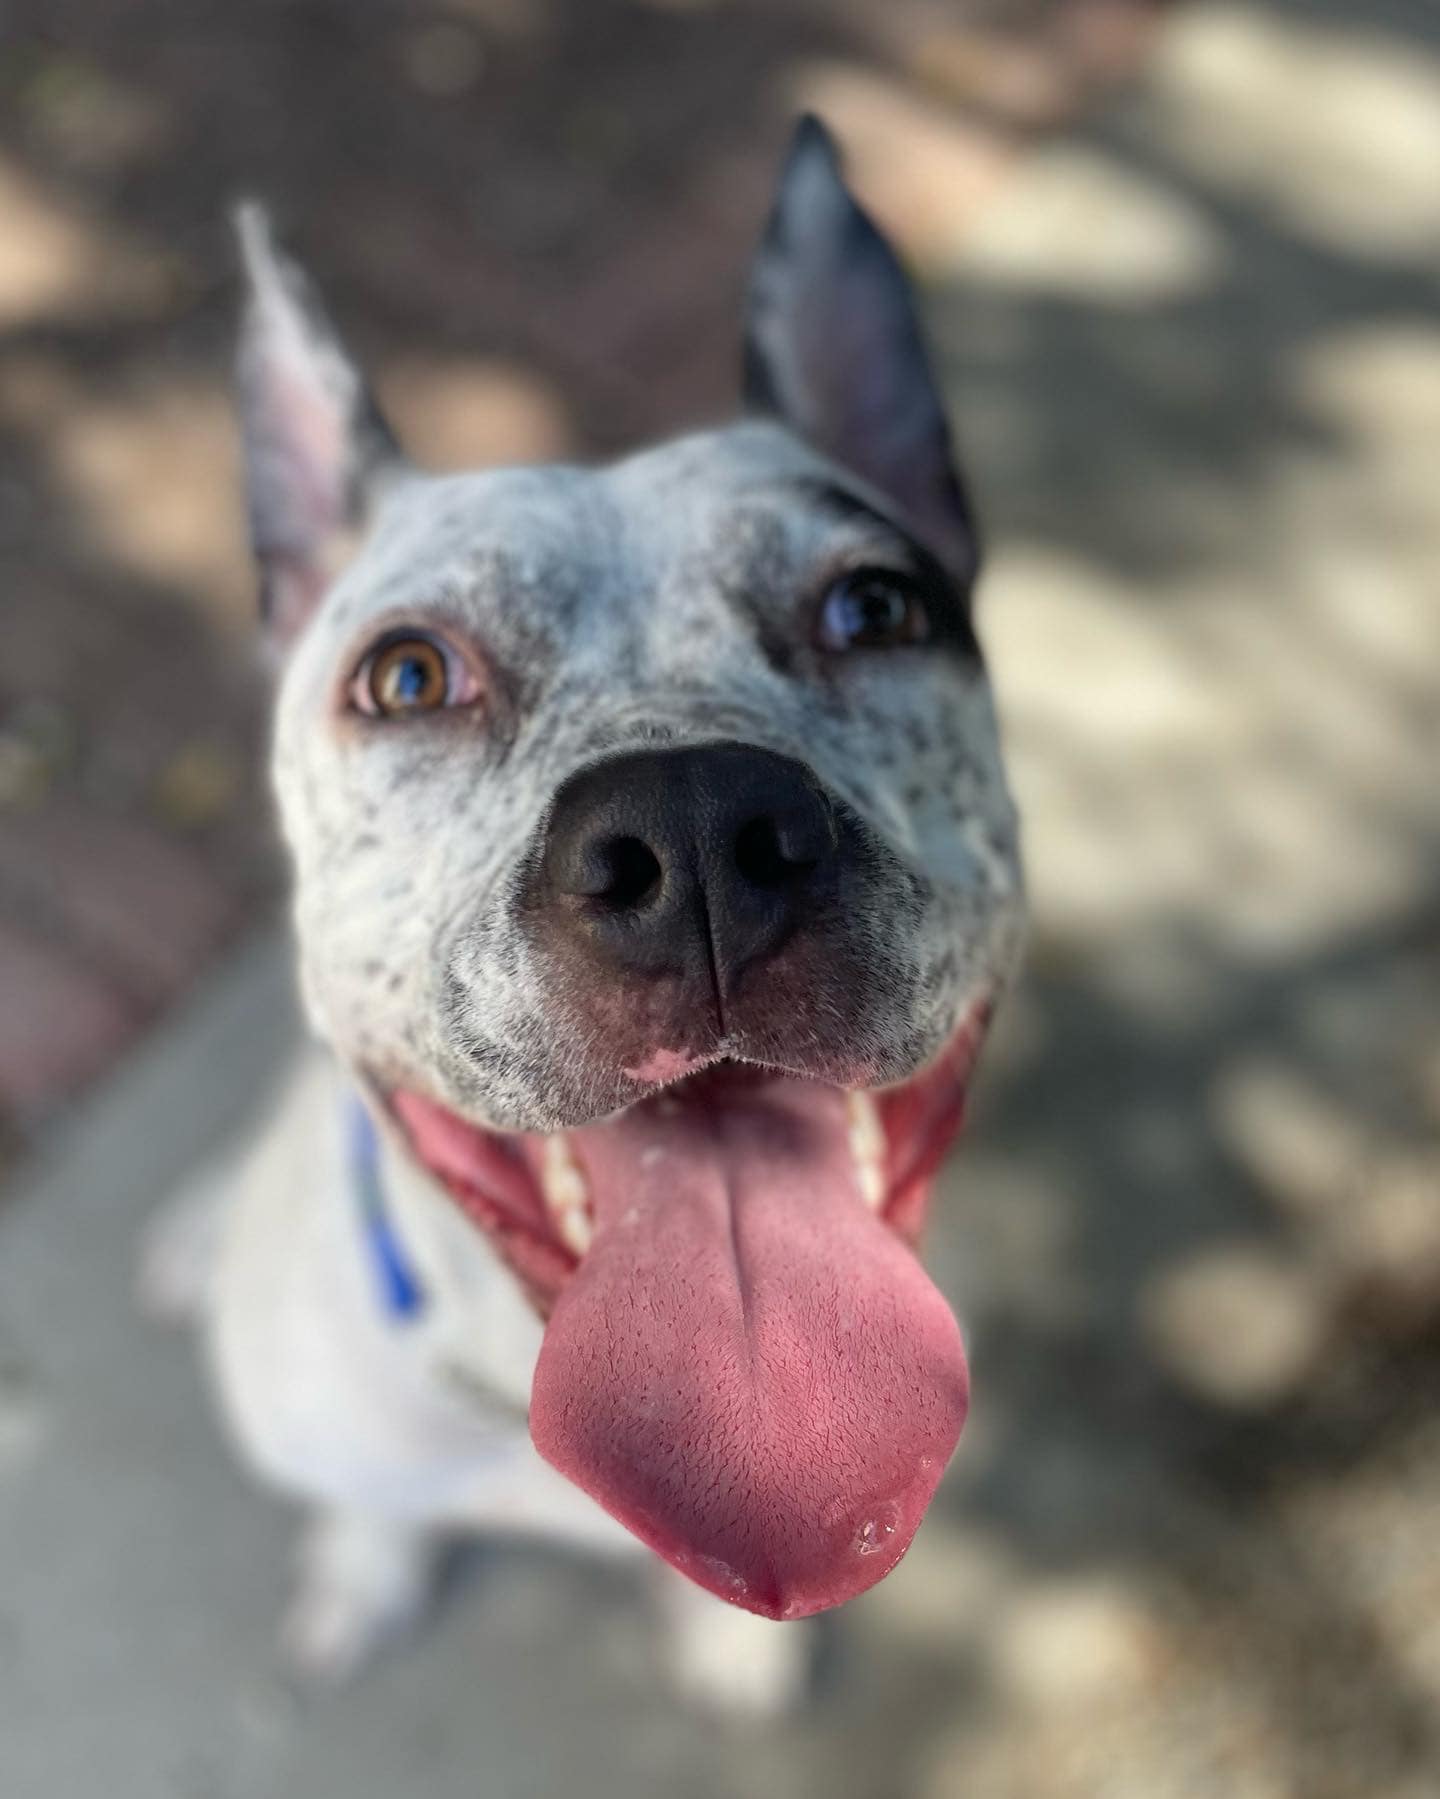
<point>622,873</point>
<point>770,852</point>
<point>758,855</point>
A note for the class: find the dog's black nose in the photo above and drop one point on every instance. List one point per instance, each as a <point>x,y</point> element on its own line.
<point>672,861</point>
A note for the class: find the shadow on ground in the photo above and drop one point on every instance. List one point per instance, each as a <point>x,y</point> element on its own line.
<point>1200,1225</point>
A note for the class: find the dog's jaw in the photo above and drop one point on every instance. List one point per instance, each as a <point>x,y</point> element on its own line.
<point>744,1361</point>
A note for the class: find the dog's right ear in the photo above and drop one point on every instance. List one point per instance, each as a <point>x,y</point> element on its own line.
<point>833,349</point>
<point>316,448</point>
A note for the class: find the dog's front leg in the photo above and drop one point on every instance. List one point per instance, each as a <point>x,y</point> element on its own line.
<point>718,1658</point>
<point>180,1251</point>
<point>361,1581</point>
<point>725,1661</point>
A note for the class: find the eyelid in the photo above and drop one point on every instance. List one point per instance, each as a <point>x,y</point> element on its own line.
<point>881,558</point>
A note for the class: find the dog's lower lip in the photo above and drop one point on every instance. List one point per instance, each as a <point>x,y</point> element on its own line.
<point>528,1191</point>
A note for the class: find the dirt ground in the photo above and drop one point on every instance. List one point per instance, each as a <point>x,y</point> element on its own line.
<point>1184,289</point>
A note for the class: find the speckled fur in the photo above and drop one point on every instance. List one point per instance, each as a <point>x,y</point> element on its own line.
<point>629,606</point>
<point>669,599</point>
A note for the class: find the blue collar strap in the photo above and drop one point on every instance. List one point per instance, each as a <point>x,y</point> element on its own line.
<point>398,1285</point>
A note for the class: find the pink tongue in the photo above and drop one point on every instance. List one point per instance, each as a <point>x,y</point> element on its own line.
<point>748,1369</point>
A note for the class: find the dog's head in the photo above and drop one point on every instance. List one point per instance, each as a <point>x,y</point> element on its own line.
<point>656,874</point>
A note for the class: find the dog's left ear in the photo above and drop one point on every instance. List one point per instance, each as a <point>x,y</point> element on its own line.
<point>833,349</point>
<point>317,450</point>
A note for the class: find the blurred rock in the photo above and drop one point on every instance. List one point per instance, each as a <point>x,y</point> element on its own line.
<point>947,1592</point>
<point>1241,1325</point>
<point>1077,1643</point>
<point>1088,226</point>
<point>198,785</point>
<point>60,1023</point>
<point>456,412</point>
<point>24,773</point>
<point>1349,164</point>
<point>1372,1529</point>
<point>59,265</point>
<point>1302,1148</point>
<point>1384,1245</point>
<point>90,118</point>
<point>1010,78</point>
<point>443,60</point>
<point>131,900</point>
<point>38,742</point>
<point>153,471</point>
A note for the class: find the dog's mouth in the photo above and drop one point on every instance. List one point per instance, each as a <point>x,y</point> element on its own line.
<point>744,1361</point>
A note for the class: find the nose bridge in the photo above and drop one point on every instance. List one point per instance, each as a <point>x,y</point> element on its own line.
<point>649,695</point>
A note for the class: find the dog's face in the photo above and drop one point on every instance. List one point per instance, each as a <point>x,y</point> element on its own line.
<point>656,874</point>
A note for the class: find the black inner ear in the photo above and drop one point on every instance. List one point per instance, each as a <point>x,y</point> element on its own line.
<point>833,349</point>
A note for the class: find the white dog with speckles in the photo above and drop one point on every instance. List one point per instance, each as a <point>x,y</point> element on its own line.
<point>655,881</point>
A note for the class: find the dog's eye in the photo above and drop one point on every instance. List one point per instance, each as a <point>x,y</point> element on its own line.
<point>873,608</point>
<point>411,674</point>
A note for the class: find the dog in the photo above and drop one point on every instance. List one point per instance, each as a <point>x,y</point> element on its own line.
<point>656,879</point>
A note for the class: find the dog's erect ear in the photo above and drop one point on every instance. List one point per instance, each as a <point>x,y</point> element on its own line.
<point>316,447</point>
<point>833,349</point>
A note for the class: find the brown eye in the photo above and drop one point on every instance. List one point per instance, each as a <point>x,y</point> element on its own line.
<point>408,675</point>
<point>873,609</point>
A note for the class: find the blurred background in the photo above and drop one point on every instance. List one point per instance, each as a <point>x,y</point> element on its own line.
<point>1181,268</point>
